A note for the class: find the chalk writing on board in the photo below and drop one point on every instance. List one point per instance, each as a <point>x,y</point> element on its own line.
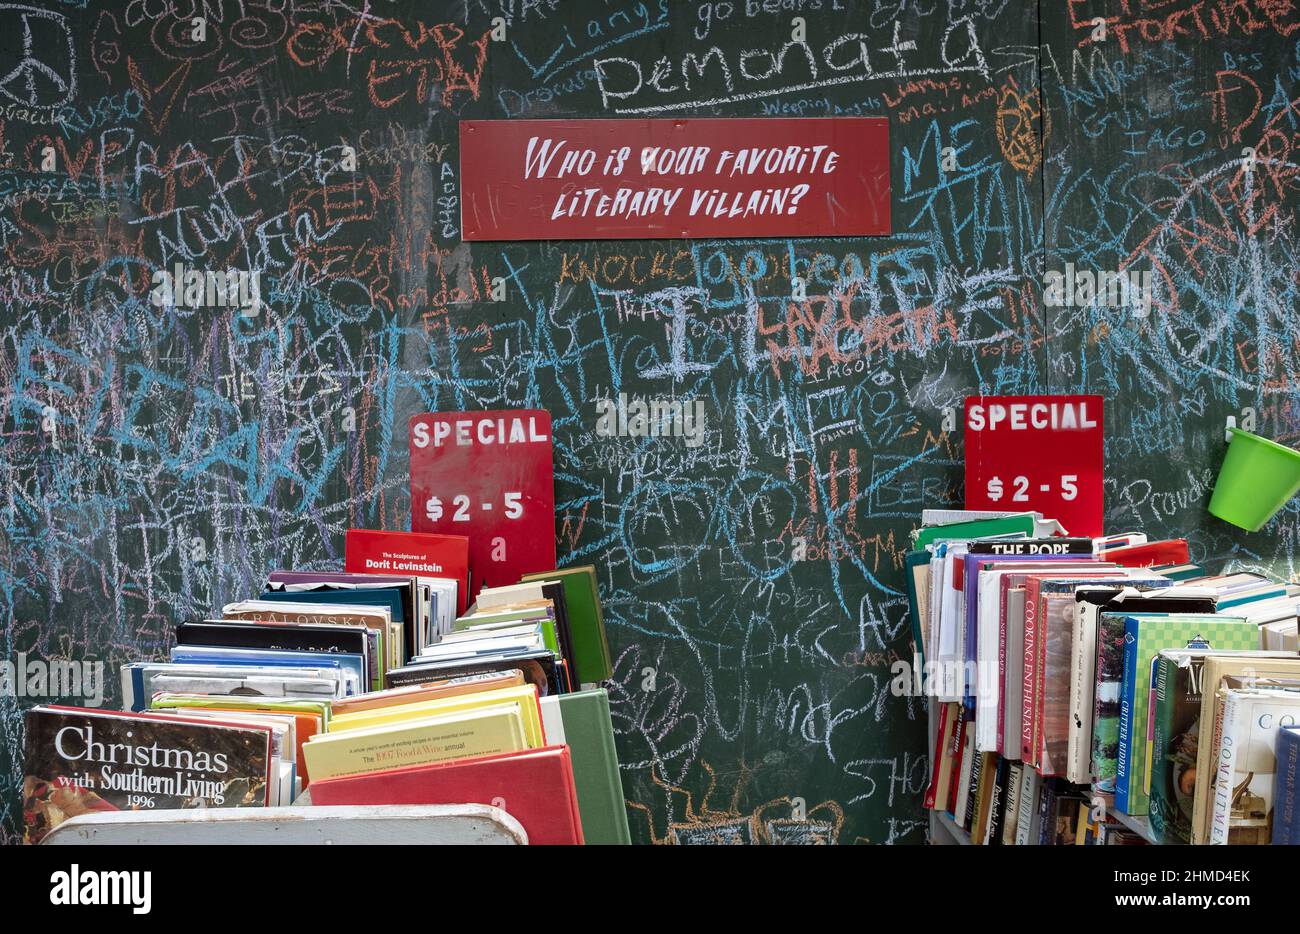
<point>160,459</point>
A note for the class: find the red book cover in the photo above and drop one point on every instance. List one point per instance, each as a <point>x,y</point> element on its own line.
<point>938,756</point>
<point>534,786</point>
<point>1170,551</point>
<point>410,554</point>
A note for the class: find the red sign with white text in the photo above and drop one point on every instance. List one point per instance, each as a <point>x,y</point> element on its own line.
<point>663,178</point>
<point>1037,454</point>
<point>487,475</point>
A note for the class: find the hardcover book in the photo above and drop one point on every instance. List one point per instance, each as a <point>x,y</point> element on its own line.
<point>582,721</point>
<point>485,731</point>
<point>535,787</point>
<point>81,760</point>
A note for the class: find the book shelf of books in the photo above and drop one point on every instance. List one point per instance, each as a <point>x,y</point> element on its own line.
<point>377,683</point>
<point>1101,691</point>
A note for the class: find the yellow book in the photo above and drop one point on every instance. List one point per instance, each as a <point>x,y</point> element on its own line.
<point>524,694</point>
<point>319,709</point>
<point>480,732</point>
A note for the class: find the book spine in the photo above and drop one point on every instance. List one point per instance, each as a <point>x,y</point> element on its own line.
<point>1015,784</point>
<point>961,782</point>
<point>1002,667</point>
<point>1149,746</point>
<point>1161,719</point>
<point>1124,764</point>
<point>1040,684</point>
<point>1206,778</point>
<point>973,789</point>
<point>1028,807</point>
<point>1029,676</point>
<point>1224,772</point>
<point>1047,813</point>
<point>1074,771</point>
<point>1286,807</point>
<point>958,745</point>
<point>970,610</point>
<point>939,747</point>
<point>998,806</point>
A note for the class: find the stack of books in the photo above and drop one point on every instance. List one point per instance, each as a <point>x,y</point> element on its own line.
<point>1083,689</point>
<point>372,684</point>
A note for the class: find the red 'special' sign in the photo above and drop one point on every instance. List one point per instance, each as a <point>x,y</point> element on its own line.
<point>1037,453</point>
<point>662,178</point>
<point>487,475</point>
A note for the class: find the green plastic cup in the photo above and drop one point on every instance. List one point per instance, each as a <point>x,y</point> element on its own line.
<point>1257,478</point>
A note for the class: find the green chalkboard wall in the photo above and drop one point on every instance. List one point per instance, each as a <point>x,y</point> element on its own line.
<point>158,462</point>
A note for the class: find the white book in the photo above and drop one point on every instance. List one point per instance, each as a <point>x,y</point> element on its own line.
<point>1083,679</point>
<point>989,638</point>
<point>952,629</point>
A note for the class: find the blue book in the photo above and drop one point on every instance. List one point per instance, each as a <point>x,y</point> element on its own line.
<point>1286,797</point>
<point>207,655</point>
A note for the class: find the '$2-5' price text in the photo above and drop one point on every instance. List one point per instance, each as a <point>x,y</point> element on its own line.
<point>1021,485</point>
<point>433,508</point>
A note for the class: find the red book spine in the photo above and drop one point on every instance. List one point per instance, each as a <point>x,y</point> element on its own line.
<point>939,747</point>
<point>1031,672</point>
<point>958,762</point>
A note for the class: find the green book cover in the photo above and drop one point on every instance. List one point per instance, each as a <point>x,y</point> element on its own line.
<point>1145,635</point>
<point>582,722</point>
<point>978,528</point>
<point>586,621</point>
<point>1175,738</point>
